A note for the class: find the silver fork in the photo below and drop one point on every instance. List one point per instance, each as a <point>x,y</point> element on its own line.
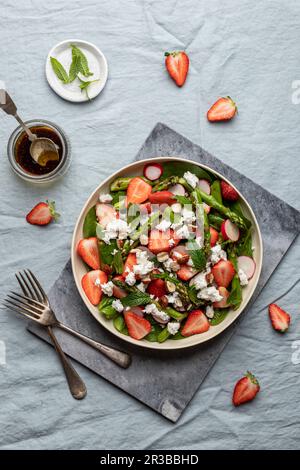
<point>35,305</point>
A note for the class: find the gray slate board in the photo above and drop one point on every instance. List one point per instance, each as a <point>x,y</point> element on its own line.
<point>167,381</point>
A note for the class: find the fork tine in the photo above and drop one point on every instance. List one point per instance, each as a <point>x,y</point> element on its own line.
<point>28,301</point>
<point>41,291</point>
<point>37,295</point>
<point>24,285</point>
<point>24,305</point>
<point>17,308</point>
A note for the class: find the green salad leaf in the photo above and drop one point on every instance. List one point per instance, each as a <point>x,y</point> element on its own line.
<point>236,207</point>
<point>244,246</point>
<point>120,325</point>
<point>215,191</point>
<point>179,168</point>
<point>118,262</point>
<point>106,252</point>
<point>182,199</point>
<point>219,316</point>
<point>90,223</point>
<point>197,254</point>
<point>105,307</point>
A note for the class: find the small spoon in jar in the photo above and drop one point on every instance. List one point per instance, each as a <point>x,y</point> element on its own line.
<point>41,149</point>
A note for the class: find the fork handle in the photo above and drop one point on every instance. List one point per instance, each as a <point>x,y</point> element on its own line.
<point>121,358</point>
<point>76,384</point>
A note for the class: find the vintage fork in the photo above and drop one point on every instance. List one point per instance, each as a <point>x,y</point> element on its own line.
<point>35,305</point>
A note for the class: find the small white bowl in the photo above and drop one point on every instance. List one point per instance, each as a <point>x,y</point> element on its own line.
<point>97,64</point>
<point>79,269</point>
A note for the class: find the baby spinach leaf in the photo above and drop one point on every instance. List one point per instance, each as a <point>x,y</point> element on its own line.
<point>105,307</point>
<point>244,247</point>
<point>179,168</point>
<point>119,324</point>
<point>215,191</point>
<point>219,316</point>
<point>59,70</point>
<point>118,262</point>
<point>106,252</point>
<point>236,207</point>
<point>90,223</point>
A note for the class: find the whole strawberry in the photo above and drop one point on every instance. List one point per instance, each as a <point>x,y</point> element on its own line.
<point>245,389</point>
<point>42,214</point>
<point>177,64</point>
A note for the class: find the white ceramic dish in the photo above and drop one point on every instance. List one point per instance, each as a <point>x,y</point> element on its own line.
<point>97,63</point>
<point>79,268</point>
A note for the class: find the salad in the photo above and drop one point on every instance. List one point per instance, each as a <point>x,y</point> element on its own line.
<point>168,253</point>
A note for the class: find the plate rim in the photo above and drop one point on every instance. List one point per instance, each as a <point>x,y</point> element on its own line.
<point>169,345</point>
<point>52,84</point>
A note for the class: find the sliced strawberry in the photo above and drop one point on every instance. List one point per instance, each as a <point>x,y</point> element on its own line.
<point>160,241</point>
<point>196,323</point>
<point>222,110</point>
<point>105,213</point>
<point>153,171</point>
<point>87,249</point>
<point>245,389</point>
<point>228,192</point>
<point>223,272</point>
<point>279,318</point>
<point>129,263</point>
<point>145,208</point>
<point>180,254</point>
<point>222,303</point>
<point>177,64</point>
<point>157,287</point>
<point>162,197</point>
<point>42,214</point>
<point>214,235</point>
<point>138,327</point>
<point>138,191</point>
<point>91,285</point>
<point>118,292</point>
<point>185,273</point>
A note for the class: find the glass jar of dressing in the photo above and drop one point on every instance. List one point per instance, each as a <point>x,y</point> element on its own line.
<point>23,164</point>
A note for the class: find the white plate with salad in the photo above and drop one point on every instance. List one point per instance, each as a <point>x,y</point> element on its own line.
<point>166,253</point>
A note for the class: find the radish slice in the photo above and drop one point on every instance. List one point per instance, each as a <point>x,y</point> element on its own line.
<point>177,189</point>
<point>153,171</point>
<point>204,186</point>
<point>230,231</point>
<point>247,264</point>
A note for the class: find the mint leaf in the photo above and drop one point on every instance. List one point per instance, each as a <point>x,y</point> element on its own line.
<point>136,298</point>
<point>59,70</point>
<point>74,67</point>
<point>197,254</point>
<point>83,66</point>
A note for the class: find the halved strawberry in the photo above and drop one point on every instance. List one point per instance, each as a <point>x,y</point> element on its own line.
<point>180,254</point>
<point>87,249</point>
<point>222,110</point>
<point>214,235</point>
<point>42,214</point>
<point>91,285</point>
<point>105,213</point>
<point>223,272</point>
<point>185,273</point>
<point>177,64</point>
<point>162,197</point>
<point>160,241</point>
<point>129,263</point>
<point>118,292</point>
<point>196,323</point>
<point>138,327</point>
<point>279,318</point>
<point>157,287</point>
<point>228,192</point>
<point>222,303</point>
<point>245,389</point>
<point>138,191</point>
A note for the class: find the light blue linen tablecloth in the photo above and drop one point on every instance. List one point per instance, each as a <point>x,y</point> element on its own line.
<point>247,49</point>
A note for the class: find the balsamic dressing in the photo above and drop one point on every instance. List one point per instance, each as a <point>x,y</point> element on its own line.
<point>22,153</point>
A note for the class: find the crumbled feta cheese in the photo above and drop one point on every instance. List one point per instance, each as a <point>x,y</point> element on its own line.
<point>177,223</point>
<point>172,297</point>
<point>105,198</point>
<point>163,225</point>
<point>114,252</point>
<point>217,254</point>
<point>158,315</point>
<point>190,262</point>
<point>116,228</point>
<point>144,239</point>
<point>199,241</point>
<point>141,286</point>
<point>117,305</point>
<point>210,293</point>
<point>173,327</point>
<point>183,232</point>
<point>168,264</point>
<point>130,279</point>
<point>107,288</point>
<point>191,179</point>
<point>97,282</point>
<point>188,215</point>
<point>209,311</point>
<point>242,277</point>
<point>144,265</point>
<point>176,207</point>
<point>199,281</point>
<point>171,242</point>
